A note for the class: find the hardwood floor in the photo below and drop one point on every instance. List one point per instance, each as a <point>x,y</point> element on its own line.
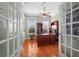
<point>30,49</point>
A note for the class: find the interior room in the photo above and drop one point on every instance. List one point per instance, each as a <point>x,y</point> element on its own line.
<point>39,29</point>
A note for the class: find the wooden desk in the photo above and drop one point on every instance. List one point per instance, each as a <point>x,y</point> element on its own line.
<point>44,39</point>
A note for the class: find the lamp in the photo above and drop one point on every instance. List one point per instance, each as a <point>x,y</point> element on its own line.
<point>54,27</point>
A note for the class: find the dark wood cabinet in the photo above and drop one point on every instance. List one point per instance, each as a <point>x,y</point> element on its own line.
<point>56,29</point>
<point>45,39</point>
<point>50,38</point>
<point>39,28</point>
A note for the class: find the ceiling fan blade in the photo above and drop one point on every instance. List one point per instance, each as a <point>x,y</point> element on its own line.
<point>41,13</point>
<point>47,15</point>
<point>48,12</point>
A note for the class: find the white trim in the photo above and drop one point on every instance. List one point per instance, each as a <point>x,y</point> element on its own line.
<point>75,50</point>
<point>75,22</point>
<point>13,6</point>
<point>71,48</point>
<point>13,31</point>
<point>62,55</point>
<point>7,19</point>
<point>48,25</point>
<point>16,51</point>
<point>71,27</point>
<point>35,27</point>
<point>28,25</point>
<point>13,37</point>
<point>65,28</point>
<point>75,9</point>
<point>8,36</point>
<point>3,41</point>
<point>68,23</point>
<point>4,17</point>
<point>68,12</point>
<point>75,36</point>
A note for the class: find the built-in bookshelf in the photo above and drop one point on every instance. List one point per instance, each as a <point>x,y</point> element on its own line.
<point>69,22</point>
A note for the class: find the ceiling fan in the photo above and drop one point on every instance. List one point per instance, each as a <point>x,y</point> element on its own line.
<point>44,13</point>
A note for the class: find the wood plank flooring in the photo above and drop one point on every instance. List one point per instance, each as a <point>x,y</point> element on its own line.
<point>30,49</point>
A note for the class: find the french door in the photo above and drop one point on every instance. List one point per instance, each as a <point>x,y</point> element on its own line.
<point>10,29</point>
<point>69,29</point>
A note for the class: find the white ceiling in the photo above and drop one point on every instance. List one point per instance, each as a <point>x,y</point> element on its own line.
<point>34,8</point>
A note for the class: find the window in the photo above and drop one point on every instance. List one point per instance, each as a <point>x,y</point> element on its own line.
<point>31,25</point>
<point>68,29</point>
<point>75,43</point>
<point>15,28</point>
<point>68,18</point>
<point>76,15</point>
<point>68,52</point>
<point>63,49</point>
<point>9,25</point>
<point>3,10</point>
<point>75,29</point>
<point>67,6</point>
<point>3,49</point>
<point>15,15</point>
<point>72,29</point>
<point>75,53</point>
<point>16,42</point>
<point>11,29</point>
<point>63,39</point>
<point>63,19</point>
<point>75,5</point>
<point>68,40</point>
<point>3,29</point>
<point>63,29</point>
<point>11,47</point>
<point>45,26</point>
